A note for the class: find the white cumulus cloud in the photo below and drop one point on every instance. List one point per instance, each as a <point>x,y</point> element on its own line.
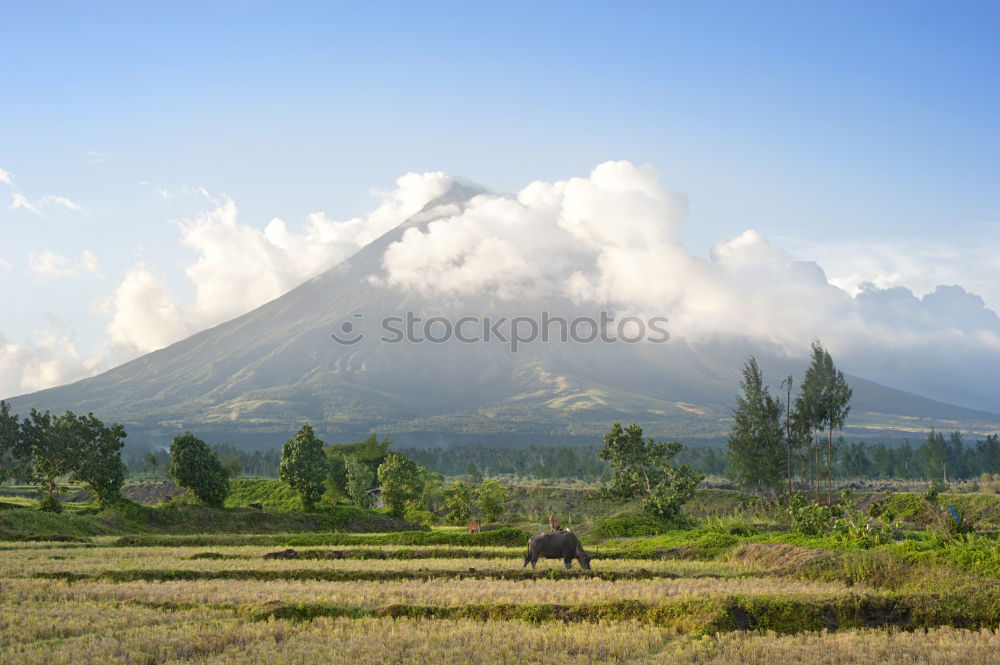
<point>6,178</point>
<point>52,360</point>
<point>144,316</point>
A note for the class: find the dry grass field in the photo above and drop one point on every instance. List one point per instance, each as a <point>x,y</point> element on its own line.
<point>83,605</point>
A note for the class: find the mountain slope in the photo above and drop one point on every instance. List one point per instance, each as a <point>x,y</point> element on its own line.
<point>256,378</point>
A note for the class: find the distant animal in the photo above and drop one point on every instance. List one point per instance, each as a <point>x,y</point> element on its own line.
<point>257,506</point>
<point>554,523</point>
<point>557,545</point>
<point>168,499</point>
<point>475,526</point>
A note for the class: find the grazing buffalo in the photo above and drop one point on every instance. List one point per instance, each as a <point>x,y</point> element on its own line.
<point>554,523</point>
<point>475,526</point>
<point>557,545</point>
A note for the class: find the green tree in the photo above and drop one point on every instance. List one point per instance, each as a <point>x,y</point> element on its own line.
<point>798,434</point>
<point>756,444</point>
<point>824,402</point>
<point>642,467</point>
<point>49,444</point>
<point>152,463</point>
<point>304,466</point>
<point>360,479</point>
<point>458,503</point>
<point>933,457</point>
<point>233,464</point>
<point>13,464</point>
<point>432,494</point>
<point>400,482</point>
<point>988,454</point>
<point>197,467</point>
<point>473,472</point>
<point>490,497</point>
<point>98,455</point>
<point>854,461</point>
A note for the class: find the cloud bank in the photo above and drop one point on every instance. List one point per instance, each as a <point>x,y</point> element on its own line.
<point>607,240</point>
<point>610,240</point>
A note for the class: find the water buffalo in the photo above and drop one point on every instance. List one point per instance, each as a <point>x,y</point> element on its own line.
<point>557,545</point>
<point>475,526</point>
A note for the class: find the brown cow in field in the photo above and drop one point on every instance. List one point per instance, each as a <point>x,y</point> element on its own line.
<point>554,523</point>
<point>475,526</point>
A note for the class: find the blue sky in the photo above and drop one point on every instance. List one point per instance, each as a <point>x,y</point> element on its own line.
<point>831,129</point>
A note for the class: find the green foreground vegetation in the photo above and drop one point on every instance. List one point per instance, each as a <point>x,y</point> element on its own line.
<point>183,582</point>
<point>356,538</point>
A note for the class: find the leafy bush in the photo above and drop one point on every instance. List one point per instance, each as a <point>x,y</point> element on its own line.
<point>419,516</point>
<point>50,504</point>
<point>811,517</point>
<point>629,526</point>
<point>865,530</point>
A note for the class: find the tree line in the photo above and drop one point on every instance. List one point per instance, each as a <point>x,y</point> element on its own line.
<point>937,456</point>
<point>146,463</point>
<point>531,461</point>
<point>365,471</point>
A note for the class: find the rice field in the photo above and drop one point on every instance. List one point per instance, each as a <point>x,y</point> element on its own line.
<point>424,604</point>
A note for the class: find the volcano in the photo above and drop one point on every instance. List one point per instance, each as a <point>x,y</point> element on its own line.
<point>253,380</point>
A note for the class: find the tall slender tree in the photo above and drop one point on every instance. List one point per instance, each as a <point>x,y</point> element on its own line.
<point>787,383</point>
<point>756,444</point>
<point>824,401</point>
